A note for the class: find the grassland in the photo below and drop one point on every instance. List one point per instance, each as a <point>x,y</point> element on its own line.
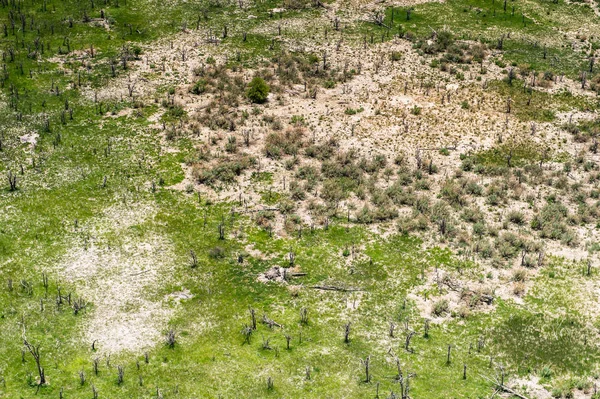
<point>446,270</point>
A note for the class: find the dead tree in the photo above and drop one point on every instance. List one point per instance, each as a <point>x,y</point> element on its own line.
<point>79,305</point>
<point>246,135</point>
<point>35,353</point>
<point>253,316</point>
<point>347,333</point>
<point>247,333</point>
<point>511,76</point>
<point>266,344</point>
<point>221,231</point>
<point>292,257</point>
<point>418,158</point>
<point>194,259</point>
<point>12,180</point>
<point>120,374</point>
<point>367,364</point>
<point>288,338</point>
<point>171,338</point>
<point>407,342</point>
<point>131,88</point>
<point>304,316</point>
<point>270,322</point>
<point>378,19</point>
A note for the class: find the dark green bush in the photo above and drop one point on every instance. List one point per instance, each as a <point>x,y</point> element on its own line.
<point>258,90</point>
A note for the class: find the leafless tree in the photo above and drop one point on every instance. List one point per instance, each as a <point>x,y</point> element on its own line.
<point>35,353</point>
<point>246,134</point>
<point>291,257</point>
<point>266,345</point>
<point>304,316</point>
<point>347,332</point>
<point>171,338</point>
<point>253,317</point>
<point>79,305</point>
<point>131,87</point>
<point>12,180</point>
<point>288,338</point>
<point>247,333</point>
<point>407,341</point>
<point>120,374</point>
<point>367,363</point>
<point>194,259</point>
<point>221,231</point>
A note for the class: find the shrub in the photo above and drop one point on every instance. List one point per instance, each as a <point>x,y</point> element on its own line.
<point>216,253</point>
<point>199,87</point>
<point>296,191</point>
<point>365,216</point>
<point>519,289</point>
<point>284,143</point>
<point>258,90</point>
<point>225,171</point>
<point>516,217</point>
<point>519,275</point>
<point>137,51</point>
<point>440,308</point>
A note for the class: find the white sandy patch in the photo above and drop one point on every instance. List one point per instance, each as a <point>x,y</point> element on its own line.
<point>117,282</point>
<point>532,387</point>
<point>30,138</point>
<point>118,279</point>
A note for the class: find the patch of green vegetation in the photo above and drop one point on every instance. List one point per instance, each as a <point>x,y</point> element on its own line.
<point>490,22</point>
<point>92,156</point>
<point>529,104</point>
<point>258,90</point>
<point>262,177</point>
<point>353,111</point>
<point>511,154</point>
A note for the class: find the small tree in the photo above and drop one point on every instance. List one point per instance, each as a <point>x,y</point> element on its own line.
<point>258,90</point>
<point>35,352</point>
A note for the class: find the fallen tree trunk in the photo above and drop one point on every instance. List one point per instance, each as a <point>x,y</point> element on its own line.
<point>334,288</point>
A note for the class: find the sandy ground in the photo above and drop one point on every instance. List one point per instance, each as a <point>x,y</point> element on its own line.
<point>120,279</point>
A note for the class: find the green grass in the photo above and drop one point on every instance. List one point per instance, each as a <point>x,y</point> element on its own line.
<point>66,186</point>
<point>534,105</point>
<point>486,21</point>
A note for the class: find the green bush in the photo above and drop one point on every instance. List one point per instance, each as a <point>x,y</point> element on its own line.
<point>199,87</point>
<point>258,90</point>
